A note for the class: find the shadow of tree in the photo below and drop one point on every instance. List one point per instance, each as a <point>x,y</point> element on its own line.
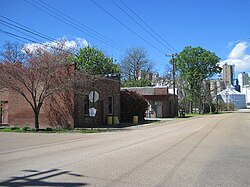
<point>37,178</point>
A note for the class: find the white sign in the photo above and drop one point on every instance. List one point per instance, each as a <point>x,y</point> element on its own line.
<point>93,96</point>
<point>92,112</point>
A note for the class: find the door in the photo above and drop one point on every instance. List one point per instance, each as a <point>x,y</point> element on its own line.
<point>4,113</point>
<point>159,109</point>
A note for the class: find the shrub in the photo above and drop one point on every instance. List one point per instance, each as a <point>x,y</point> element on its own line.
<point>15,128</point>
<point>132,104</point>
<point>26,128</point>
<point>48,129</point>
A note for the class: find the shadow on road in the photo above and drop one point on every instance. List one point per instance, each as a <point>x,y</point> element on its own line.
<point>37,178</point>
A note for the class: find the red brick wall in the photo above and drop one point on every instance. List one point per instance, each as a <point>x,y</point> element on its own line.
<point>105,87</point>
<point>20,112</point>
<point>160,91</point>
<point>167,107</point>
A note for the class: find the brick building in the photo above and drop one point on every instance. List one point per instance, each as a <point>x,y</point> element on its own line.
<point>160,101</point>
<point>17,112</point>
<point>71,109</point>
<point>108,103</point>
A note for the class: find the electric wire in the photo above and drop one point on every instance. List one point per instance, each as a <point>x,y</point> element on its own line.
<point>140,25</point>
<point>148,25</point>
<point>30,31</point>
<point>22,41</point>
<point>60,13</point>
<point>13,28</point>
<point>18,36</point>
<point>27,29</point>
<point>70,23</point>
<point>127,27</point>
<point>33,41</point>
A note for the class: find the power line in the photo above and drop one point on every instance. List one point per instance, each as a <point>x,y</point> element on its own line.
<point>148,25</point>
<point>16,38</point>
<point>68,21</point>
<point>140,25</point>
<point>83,26</point>
<point>11,26</point>
<point>27,29</point>
<point>127,27</point>
<point>33,41</point>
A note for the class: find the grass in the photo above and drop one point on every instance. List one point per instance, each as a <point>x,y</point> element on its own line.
<point>48,130</point>
<point>206,114</point>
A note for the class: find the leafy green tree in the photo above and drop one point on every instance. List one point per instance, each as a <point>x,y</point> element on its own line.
<point>94,61</point>
<point>137,83</point>
<point>195,65</point>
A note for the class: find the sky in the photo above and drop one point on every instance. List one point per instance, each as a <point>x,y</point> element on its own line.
<point>220,26</point>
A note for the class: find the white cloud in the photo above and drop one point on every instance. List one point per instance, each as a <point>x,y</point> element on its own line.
<point>238,51</point>
<point>69,44</point>
<point>82,42</point>
<point>239,57</point>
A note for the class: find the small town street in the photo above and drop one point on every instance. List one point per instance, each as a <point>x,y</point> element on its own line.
<point>212,150</point>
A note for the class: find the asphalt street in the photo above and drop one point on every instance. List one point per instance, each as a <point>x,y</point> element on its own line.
<point>204,151</point>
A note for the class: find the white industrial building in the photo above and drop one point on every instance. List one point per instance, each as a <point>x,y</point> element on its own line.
<point>230,95</point>
<point>246,90</point>
<point>243,79</point>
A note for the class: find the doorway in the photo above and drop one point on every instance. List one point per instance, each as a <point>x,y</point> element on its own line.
<point>4,113</point>
<point>159,109</point>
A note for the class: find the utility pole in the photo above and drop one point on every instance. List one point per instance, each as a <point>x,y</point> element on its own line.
<point>173,66</point>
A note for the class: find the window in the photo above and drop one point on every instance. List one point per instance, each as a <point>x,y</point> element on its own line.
<point>111,105</point>
<point>86,105</point>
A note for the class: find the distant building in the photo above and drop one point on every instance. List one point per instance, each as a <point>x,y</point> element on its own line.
<point>216,86</point>
<point>237,86</point>
<point>243,79</point>
<point>231,96</point>
<point>246,90</point>
<point>160,101</point>
<point>227,74</point>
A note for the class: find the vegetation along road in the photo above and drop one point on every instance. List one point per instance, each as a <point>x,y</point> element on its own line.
<point>204,151</point>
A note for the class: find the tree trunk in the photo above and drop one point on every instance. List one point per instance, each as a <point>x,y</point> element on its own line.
<point>36,114</point>
<point>190,107</point>
<point>210,108</point>
<point>201,106</point>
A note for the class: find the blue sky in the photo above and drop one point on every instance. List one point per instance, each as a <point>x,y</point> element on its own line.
<point>221,26</point>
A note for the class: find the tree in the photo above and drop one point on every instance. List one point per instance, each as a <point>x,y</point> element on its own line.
<point>12,52</point>
<point>44,72</point>
<point>194,66</point>
<point>132,104</point>
<point>135,65</point>
<point>94,61</point>
<point>137,83</point>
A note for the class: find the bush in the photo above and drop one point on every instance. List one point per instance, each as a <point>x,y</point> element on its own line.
<point>132,104</point>
<point>48,129</point>
<point>15,128</point>
<point>26,128</point>
<point>137,83</point>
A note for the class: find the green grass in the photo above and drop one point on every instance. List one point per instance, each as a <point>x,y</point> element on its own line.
<point>206,114</point>
<point>12,129</point>
<point>49,130</point>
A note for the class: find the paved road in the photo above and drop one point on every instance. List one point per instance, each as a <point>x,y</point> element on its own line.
<point>207,151</point>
